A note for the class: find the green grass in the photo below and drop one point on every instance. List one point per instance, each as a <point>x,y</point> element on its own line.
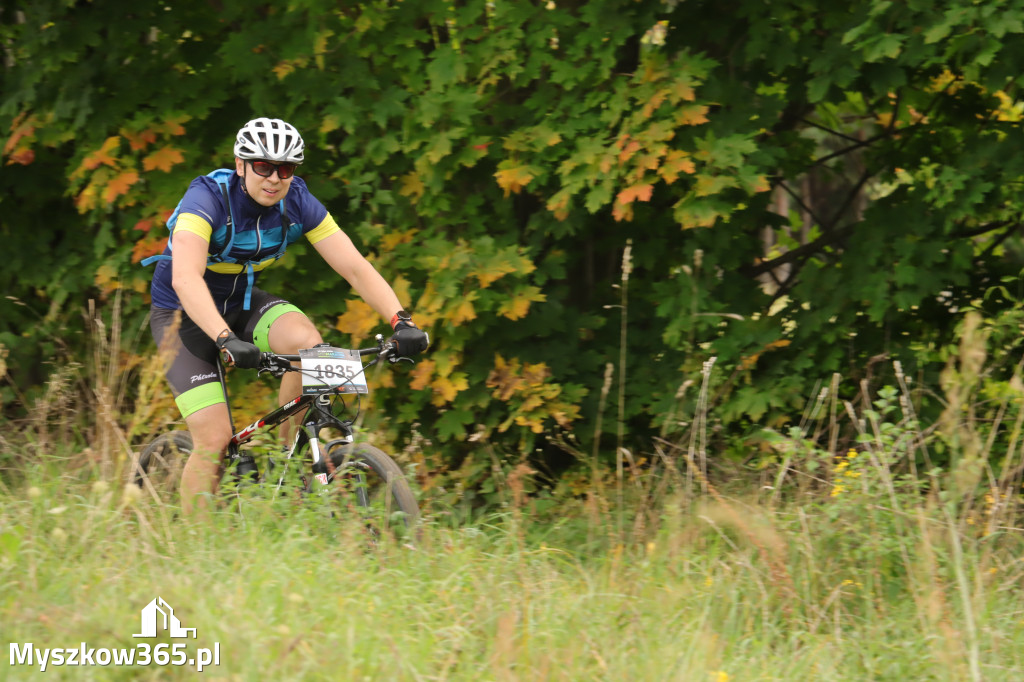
<point>833,566</point>
<point>712,589</point>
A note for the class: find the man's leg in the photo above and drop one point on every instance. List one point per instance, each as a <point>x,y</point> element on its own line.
<point>211,431</point>
<point>290,333</point>
<point>192,374</point>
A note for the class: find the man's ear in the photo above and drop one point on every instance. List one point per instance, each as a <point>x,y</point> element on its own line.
<point>239,167</point>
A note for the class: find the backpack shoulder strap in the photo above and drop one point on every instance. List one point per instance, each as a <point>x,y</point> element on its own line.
<point>229,239</point>
<point>221,176</point>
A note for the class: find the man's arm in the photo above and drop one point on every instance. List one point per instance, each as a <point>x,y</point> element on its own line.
<point>188,265</point>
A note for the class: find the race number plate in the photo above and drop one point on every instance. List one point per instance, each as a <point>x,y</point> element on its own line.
<point>327,368</point>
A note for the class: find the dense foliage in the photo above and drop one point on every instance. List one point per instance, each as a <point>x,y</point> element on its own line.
<point>583,202</point>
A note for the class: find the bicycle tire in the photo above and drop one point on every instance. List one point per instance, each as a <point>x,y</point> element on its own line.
<point>161,461</point>
<point>365,476</point>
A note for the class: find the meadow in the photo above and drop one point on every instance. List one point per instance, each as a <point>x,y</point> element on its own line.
<point>837,562</point>
<point>868,579</point>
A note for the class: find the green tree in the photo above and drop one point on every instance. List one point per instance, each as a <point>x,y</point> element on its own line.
<point>801,185</point>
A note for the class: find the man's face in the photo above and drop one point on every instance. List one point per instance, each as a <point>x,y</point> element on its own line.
<point>266,191</point>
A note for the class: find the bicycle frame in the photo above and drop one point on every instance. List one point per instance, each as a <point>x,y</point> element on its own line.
<point>309,430</point>
<point>318,416</point>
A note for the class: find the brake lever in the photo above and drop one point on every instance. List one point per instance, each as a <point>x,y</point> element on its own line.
<point>394,360</point>
<point>276,370</point>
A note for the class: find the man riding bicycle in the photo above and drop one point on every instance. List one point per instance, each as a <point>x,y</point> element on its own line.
<point>228,227</point>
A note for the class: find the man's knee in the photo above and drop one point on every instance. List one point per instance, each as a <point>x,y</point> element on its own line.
<point>210,429</point>
<point>290,333</point>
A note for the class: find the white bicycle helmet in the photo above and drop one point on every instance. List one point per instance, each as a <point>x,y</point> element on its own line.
<point>269,139</point>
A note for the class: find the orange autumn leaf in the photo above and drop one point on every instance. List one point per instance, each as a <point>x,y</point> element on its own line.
<point>164,158</point>
<point>173,126</point>
<point>559,204</point>
<point>516,309</point>
<point>504,378</point>
<point>148,247</point>
<point>102,156</point>
<point>284,68</point>
<point>518,305</point>
<point>390,240</point>
<point>622,212</point>
<point>421,375</point>
<point>86,199</point>
<point>676,162</point>
<point>21,156</point>
<point>139,141</point>
<point>684,91</point>
<point>358,321</point>
<point>628,150</point>
<point>492,273</point>
<point>119,185</point>
<point>20,128</point>
<point>635,193</point>
<point>692,115</point>
<point>653,103</point>
<point>512,180</point>
<point>464,312</point>
<point>446,388</point>
<point>106,279</point>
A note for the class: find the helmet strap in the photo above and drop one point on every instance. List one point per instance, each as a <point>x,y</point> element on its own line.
<point>245,187</point>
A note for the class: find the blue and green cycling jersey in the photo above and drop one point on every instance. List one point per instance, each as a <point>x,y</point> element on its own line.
<point>259,234</point>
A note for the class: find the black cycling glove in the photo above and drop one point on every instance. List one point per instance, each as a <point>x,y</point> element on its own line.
<point>237,352</point>
<point>409,339</point>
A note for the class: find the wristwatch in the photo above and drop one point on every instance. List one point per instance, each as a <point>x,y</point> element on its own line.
<point>402,317</point>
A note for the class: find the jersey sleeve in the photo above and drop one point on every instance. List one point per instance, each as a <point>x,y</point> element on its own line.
<point>326,228</point>
<point>317,223</point>
<point>190,222</point>
<point>201,208</point>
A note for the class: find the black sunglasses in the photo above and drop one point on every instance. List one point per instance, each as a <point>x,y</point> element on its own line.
<point>265,169</point>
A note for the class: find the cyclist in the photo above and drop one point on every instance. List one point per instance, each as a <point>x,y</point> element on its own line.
<point>265,207</point>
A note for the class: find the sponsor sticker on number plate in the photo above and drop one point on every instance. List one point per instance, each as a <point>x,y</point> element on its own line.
<point>332,368</point>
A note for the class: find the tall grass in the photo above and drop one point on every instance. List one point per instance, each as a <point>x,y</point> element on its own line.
<point>843,564</point>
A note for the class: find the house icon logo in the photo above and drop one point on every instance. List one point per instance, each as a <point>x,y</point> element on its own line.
<point>157,615</point>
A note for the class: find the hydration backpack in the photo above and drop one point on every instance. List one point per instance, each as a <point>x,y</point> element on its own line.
<point>225,235</point>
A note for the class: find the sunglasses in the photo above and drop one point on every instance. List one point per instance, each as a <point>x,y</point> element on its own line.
<point>265,169</point>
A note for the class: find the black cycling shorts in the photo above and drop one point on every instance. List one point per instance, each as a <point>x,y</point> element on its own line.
<point>192,372</point>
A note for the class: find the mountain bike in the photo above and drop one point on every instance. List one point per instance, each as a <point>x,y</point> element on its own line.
<point>352,476</point>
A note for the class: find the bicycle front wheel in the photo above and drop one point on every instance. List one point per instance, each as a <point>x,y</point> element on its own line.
<point>367,480</point>
<point>160,463</point>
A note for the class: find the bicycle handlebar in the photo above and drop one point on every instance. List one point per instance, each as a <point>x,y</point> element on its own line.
<point>281,361</point>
